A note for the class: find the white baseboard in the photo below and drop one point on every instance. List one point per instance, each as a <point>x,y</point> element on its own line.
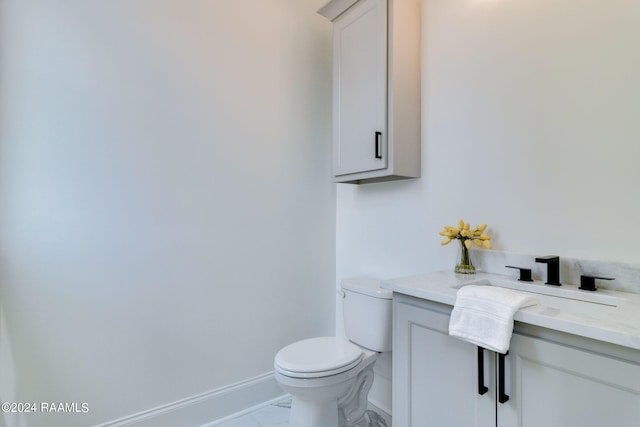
<point>207,407</point>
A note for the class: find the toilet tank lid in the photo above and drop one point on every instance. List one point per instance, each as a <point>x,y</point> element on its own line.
<point>366,286</point>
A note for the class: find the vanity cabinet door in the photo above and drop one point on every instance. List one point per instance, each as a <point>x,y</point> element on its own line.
<point>554,385</point>
<point>435,377</point>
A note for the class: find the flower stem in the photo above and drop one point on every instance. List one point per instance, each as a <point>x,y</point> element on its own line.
<point>464,265</point>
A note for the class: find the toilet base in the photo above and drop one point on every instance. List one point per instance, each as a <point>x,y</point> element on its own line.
<point>352,409</point>
<point>345,407</point>
<point>313,414</point>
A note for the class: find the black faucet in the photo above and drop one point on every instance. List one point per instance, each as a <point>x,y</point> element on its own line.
<point>553,269</point>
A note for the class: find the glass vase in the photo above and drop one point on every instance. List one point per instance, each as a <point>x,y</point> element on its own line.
<point>464,264</point>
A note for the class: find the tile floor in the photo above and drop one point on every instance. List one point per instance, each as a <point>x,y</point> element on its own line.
<point>276,414</point>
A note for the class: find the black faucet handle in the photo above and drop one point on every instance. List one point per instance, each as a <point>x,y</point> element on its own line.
<point>588,283</point>
<point>525,273</point>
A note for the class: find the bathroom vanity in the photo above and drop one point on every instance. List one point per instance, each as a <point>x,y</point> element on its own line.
<point>574,359</point>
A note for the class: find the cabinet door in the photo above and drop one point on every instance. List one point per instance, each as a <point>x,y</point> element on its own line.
<point>436,376</point>
<point>360,86</point>
<point>554,385</point>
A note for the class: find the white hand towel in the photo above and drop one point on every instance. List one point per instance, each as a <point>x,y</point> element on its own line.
<point>483,315</point>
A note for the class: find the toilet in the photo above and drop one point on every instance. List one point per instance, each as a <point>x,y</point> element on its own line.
<point>329,378</point>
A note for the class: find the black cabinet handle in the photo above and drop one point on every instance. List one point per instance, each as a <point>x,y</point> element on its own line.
<point>502,396</point>
<point>377,141</point>
<point>482,389</point>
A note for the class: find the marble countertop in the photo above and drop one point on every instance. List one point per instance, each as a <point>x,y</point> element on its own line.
<point>619,324</point>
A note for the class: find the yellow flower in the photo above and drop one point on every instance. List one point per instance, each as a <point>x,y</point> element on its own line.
<point>449,231</point>
<point>465,233</point>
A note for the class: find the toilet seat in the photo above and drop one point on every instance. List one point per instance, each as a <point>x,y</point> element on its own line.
<point>318,357</point>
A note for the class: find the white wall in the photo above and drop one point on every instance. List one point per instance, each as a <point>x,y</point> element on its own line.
<point>530,124</point>
<point>166,218</point>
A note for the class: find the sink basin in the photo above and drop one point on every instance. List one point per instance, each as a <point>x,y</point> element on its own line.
<point>569,292</point>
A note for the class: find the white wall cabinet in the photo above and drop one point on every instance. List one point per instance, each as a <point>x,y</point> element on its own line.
<point>376,89</point>
<point>550,379</point>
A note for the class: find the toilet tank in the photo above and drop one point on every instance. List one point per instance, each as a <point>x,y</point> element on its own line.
<point>366,309</point>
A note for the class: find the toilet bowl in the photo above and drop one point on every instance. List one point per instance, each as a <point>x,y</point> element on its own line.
<point>331,392</point>
<point>329,378</point>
